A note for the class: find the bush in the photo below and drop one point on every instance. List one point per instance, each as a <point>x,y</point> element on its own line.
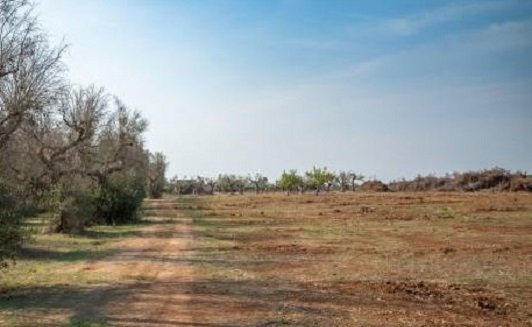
<point>120,199</point>
<point>75,205</point>
<point>495,179</point>
<point>521,183</point>
<point>11,233</point>
<point>420,183</point>
<point>374,186</point>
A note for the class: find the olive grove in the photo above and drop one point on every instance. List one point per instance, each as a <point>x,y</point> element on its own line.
<point>74,152</point>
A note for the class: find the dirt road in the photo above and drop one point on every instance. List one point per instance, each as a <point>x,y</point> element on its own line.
<point>159,259</point>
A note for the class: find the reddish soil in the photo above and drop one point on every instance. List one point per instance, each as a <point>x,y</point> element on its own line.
<point>353,259</point>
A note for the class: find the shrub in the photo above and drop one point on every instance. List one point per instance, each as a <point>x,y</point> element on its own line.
<point>374,186</point>
<point>120,198</point>
<point>520,183</point>
<point>420,183</point>
<point>75,205</point>
<point>11,232</point>
<point>496,179</point>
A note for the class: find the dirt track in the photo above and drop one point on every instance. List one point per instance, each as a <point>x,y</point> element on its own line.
<point>170,290</point>
<point>159,257</point>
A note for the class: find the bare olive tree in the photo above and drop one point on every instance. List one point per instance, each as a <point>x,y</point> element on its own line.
<point>75,152</point>
<point>231,183</point>
<point>343,179</point>
<point>72,153</point>
<point>348,179</point>
<point>211,184</point>
<point>354,178</point>
<point>30,77</point>
<point>259,182</point>
<point>156,174</point>
<point>30,69</point>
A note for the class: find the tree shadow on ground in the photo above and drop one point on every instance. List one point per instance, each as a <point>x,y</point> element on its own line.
<point>236,301</point>
<point>42,254</point>
<point>108,234</point>
<point>38,304</point>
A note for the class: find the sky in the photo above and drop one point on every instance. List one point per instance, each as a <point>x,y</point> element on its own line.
<point>390,89</point>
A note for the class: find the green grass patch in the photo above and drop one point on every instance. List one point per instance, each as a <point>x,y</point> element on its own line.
<point>49,273</point>
<point>45,256</point>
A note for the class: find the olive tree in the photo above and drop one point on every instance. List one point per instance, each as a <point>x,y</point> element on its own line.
<point>156,174</point>
<point>317,178</point>
<point>204,185</point>
<point>211,184</point>
<point>290,181</point>
<point>241,184</point>
<point>354,178</point>
<point>74,154</point>
<point>30,69</point>
<point>120,166</point>
<point>346,179</point>
<point>343,179</point>
<point>30,76</point>
<point>62,147</point>
<point>259,182</point>
<point>82,154</point>
<point>227,183</point>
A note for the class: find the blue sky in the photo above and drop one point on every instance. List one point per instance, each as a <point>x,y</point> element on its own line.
<point>387,88</point>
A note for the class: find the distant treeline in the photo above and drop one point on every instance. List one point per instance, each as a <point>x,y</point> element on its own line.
<point>496,179</point>
<point>323,180</point>
<point>316,179</point>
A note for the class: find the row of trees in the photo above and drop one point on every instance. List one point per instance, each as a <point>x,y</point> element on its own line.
<point>76,152</point>
<point>322,179</point>
<point>316,179</point>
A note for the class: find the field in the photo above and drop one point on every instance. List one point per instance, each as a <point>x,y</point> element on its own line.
<point>342,259</point>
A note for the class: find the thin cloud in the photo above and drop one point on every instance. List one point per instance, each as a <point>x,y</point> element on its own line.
<point>446,52</point>
<point>414,23</point>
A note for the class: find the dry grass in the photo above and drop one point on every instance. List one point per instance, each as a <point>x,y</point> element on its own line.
<point>54,277</point>
<point>373,259</point>
<point>342,259</point>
